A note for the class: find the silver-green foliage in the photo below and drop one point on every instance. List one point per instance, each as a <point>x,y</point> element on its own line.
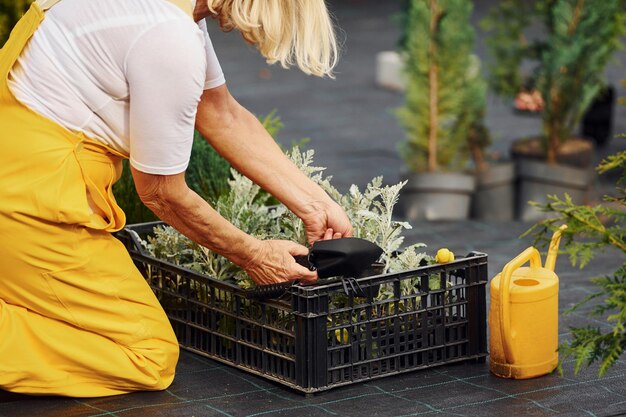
<point>245,206</point>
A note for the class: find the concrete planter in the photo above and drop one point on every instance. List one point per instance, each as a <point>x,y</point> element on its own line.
<point>390,71</point>
<point>436,196</point>
<point>494,199</point>
<point>538,179</point>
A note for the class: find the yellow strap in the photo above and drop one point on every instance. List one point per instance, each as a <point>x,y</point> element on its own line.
<point>185,5</point>
<point>47,4</point>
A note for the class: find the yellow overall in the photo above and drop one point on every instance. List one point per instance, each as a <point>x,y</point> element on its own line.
<point>76,316</point>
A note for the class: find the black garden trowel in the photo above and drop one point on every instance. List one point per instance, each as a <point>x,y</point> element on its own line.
<point>347,258</point>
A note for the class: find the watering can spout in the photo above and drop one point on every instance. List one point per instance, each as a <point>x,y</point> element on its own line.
<point>553,251</point>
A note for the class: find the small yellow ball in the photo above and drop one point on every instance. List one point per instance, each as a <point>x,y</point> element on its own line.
<point>444,255</point>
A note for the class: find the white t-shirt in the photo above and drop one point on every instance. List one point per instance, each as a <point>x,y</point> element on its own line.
<point>127,73</point>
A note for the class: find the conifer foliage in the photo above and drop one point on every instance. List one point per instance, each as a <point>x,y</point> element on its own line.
<point>593,229</point>
<point>445,92</point>
<point>567,43</point>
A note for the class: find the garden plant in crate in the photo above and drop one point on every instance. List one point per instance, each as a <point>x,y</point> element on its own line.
<point>413,315</point>
<point>245,206</point>
<point>568,54</point>
<point>593,229</point>
<point>445,96</point>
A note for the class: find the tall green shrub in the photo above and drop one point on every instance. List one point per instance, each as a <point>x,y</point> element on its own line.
<point>208,175</point>
<point>445,92</point>
<point>127,198</point>
<point>10,12</point>
<point>208,172</point>
<point>572,41</point>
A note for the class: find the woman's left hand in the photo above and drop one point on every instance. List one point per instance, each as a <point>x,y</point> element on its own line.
<point>326,220</point>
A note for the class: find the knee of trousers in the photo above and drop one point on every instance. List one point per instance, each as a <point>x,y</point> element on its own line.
<point>156,359</point>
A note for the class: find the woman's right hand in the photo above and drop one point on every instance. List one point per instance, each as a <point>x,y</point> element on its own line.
<point>325,220</point>
<point>274,262</point>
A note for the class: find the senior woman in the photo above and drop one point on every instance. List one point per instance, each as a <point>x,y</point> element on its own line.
<point>85,84</point>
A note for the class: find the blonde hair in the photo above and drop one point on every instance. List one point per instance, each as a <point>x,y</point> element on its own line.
<point>291,32</point>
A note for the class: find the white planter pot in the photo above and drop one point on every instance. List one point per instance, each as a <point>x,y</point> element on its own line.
<point>436,196</point>
<point>390,71</point>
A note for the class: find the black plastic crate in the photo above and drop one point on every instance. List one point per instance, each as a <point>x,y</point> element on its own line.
<point>305,341</point>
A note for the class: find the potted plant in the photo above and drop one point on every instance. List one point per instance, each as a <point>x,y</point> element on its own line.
<point>572,43</point>
<point>443,89</point>
<point>303,334</point>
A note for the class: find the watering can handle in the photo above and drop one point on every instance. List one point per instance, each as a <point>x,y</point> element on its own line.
<point>530,254</point>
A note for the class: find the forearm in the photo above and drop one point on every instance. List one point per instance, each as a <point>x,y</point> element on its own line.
<point>241,139</point>
<point>173,202</point>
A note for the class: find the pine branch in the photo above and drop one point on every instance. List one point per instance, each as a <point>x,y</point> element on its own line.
<point>612,162</point>
<point>595,228</point>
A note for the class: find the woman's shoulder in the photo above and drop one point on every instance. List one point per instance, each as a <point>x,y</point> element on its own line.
<point>92,16</point>
<point>105,36</point>
<point>112,27</point>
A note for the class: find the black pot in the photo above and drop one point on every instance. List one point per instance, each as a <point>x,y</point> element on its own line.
<point>597,122</point>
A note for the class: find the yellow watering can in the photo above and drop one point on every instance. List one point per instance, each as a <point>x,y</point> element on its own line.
<point>524,315</point>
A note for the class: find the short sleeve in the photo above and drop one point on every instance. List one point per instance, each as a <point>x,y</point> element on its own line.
<point>214,74</point>
<point>165,69</point>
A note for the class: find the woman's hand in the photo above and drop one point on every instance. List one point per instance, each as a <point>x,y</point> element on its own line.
<point>274,262</point>
<point>325,220</point>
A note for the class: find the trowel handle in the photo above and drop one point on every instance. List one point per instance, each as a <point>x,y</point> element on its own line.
<point>305,262</point>
<point>530,254</point>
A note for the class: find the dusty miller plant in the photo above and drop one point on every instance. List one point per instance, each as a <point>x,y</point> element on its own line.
<point>245,205</point>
